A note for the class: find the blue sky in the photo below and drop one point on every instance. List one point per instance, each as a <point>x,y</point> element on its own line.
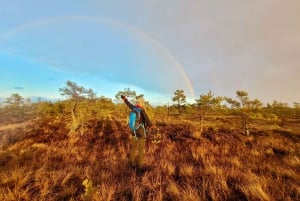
<point>153,47</point>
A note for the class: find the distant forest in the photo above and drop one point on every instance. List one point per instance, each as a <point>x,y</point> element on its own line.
<point>81,105</point>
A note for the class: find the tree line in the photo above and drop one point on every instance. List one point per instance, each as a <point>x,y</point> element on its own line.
<point>81,105</point>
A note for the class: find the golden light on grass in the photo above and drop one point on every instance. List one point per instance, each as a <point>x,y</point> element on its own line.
<point>218,165</point>
<point>196,134</point>
<point>293,160</point>
<point>169,167</point>
<point>198,152</point>
<point>255,191</point>
<point>105,192</point>
<point>189,193</point>
<point>174,190</point>
<point>39,145</point>
<point>187,170</point>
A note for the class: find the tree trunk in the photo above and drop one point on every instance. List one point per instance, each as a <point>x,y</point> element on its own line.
<point>245,124</point>
<point>178,107</point>
<point>74,123</point>
<point>201,123</point>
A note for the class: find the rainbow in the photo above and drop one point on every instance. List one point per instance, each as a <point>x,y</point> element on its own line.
<point>41,22</point>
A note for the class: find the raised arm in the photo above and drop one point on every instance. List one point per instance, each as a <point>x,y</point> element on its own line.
<point>130,105</point>
<point>145,117</point>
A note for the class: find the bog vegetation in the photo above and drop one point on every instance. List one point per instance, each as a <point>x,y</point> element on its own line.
<point>219,148</point>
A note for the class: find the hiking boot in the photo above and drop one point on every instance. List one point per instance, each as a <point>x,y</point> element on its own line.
<point>132,165</point>
<point>141,170</point>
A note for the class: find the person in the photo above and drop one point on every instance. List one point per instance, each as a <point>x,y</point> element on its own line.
<point>137,150</point>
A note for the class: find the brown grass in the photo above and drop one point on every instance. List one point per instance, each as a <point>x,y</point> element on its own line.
<point>219,164</point>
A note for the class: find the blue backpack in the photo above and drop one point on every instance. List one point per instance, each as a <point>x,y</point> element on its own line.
<point>135,120</point>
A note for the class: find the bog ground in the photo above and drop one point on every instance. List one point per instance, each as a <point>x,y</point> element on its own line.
<point>41,162</point>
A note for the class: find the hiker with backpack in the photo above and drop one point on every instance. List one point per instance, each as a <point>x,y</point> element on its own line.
<point>139,122</point>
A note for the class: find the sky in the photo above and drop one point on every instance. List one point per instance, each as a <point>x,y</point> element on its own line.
<point>153,47</point>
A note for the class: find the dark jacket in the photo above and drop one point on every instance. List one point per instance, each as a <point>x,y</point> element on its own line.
<point>144,117</point>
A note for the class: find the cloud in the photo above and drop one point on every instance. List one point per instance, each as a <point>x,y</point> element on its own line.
<point>55,64</point>
<point>223,46</point>
<point>18,88</point>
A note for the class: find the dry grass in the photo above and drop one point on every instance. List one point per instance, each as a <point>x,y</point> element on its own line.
<point>220,164</point>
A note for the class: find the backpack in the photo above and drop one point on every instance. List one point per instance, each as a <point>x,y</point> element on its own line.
<point>135,120</point>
